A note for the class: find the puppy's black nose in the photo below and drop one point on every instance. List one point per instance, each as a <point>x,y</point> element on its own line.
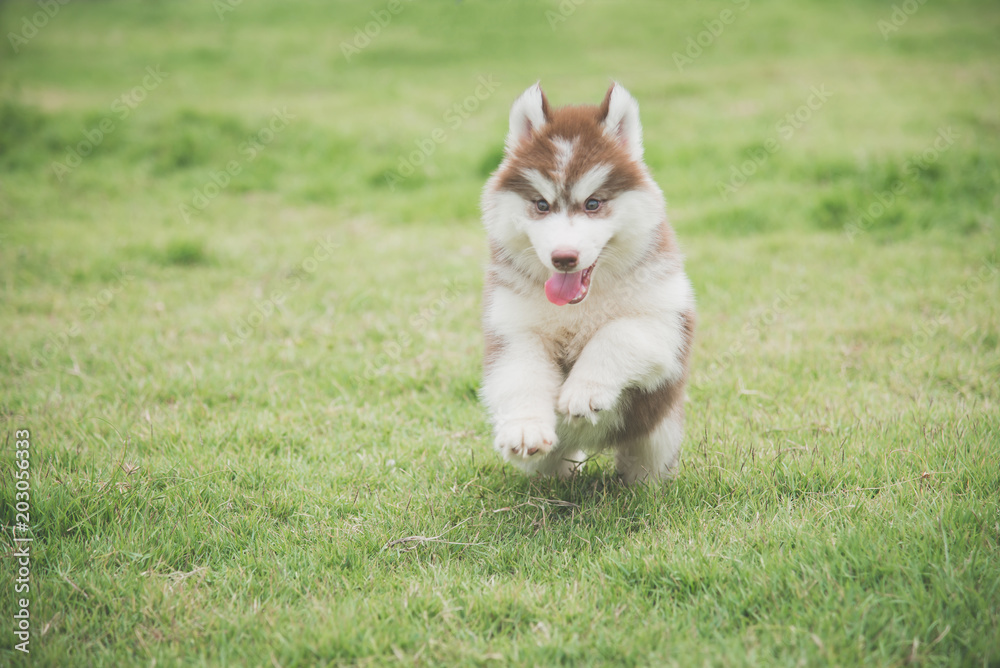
<point>564,260</point>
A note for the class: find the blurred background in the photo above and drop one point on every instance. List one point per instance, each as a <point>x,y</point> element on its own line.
<point>295,185</point>
<point>365,83</point>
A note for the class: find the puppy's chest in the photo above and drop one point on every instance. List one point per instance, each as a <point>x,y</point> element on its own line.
<point>565,346</point>
<point>571,328</point>
<point>566,340</point>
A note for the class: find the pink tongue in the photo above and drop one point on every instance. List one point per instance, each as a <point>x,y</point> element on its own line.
<point>561,289</point>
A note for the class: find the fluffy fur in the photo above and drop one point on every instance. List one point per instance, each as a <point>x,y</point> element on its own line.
<point>588,314</point>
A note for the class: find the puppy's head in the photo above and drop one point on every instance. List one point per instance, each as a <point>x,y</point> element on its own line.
<point>572,197</point>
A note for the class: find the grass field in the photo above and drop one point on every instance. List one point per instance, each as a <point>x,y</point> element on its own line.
<point>240,263</point>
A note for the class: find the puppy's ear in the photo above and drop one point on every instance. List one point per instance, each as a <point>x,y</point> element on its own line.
<point>620,113</point>
<point>529,113</point>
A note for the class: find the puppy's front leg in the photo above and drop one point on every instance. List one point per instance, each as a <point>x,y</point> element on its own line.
<point>520,388</point>
<point>632,352</point>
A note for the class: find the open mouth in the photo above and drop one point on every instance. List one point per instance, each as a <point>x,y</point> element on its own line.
<point>564,289</point>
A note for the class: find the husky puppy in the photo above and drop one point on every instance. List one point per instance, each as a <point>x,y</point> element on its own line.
<point>588,315</point>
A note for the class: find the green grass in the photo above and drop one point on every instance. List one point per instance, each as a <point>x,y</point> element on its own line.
<point>254,428</point>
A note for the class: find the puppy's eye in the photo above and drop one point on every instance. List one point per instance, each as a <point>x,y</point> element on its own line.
<point>592,204</point>
<point>542,206</point>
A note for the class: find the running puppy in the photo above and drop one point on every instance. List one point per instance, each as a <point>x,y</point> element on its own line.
<point>588,314</point>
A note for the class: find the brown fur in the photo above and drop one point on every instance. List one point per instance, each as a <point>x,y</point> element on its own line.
<point>647,409</point>
<point>494,347</point>
<point>583,124</point>
<point>667,241</point>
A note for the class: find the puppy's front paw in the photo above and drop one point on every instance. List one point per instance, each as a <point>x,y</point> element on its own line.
<point>524,438</point>
<point>585,398</point>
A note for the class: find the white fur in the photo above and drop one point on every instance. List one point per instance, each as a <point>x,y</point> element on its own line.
<point>623,121</point>
<point>561,231</point>
<point>628,332</point>
<point>590,182</point>
<point>564,154</point>
<point>525,115</point>
<point>545,188</point>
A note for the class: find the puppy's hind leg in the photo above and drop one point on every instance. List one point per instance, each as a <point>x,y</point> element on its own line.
<point>653,457</point>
